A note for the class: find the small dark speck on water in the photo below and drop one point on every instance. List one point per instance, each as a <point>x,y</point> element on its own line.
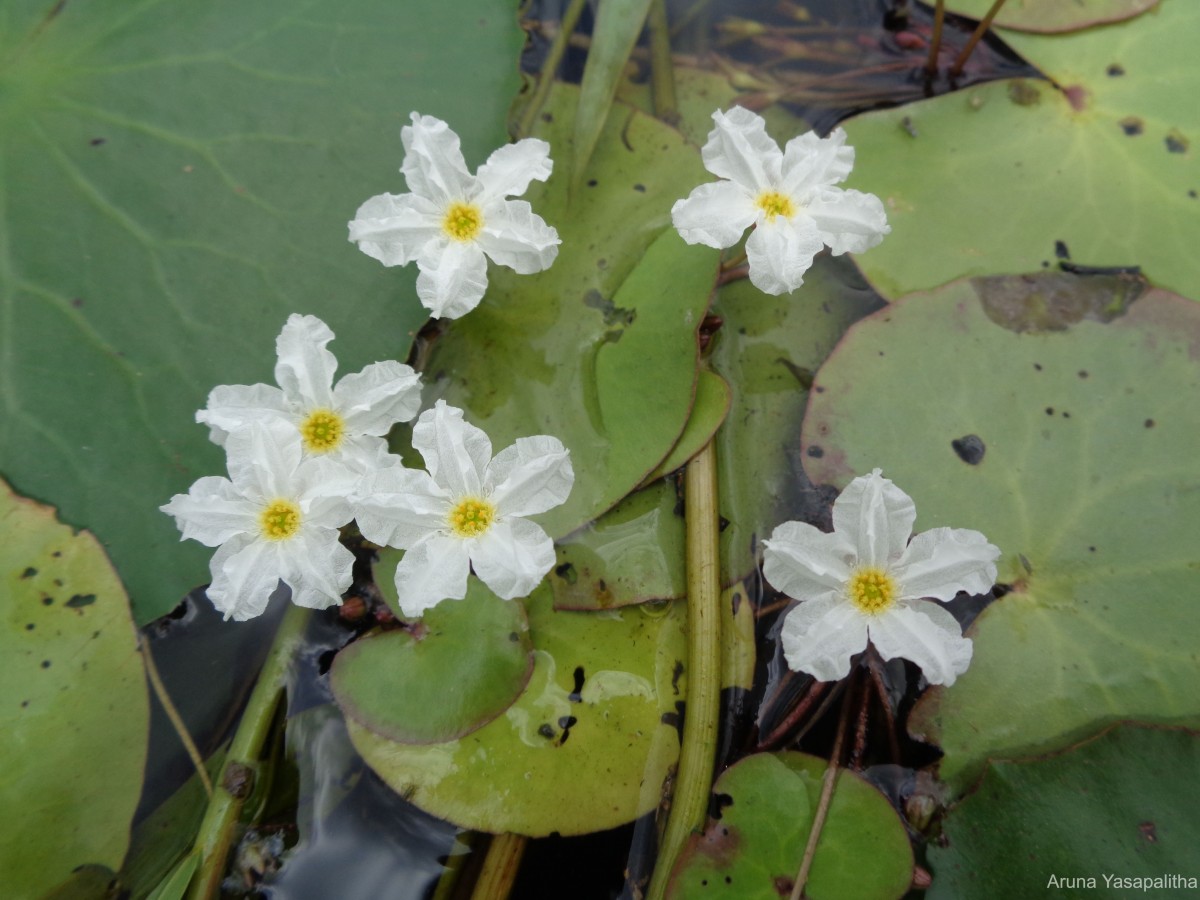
<point>47,601</point>
<point>1083,373</point>
<point>96,142</point>
<point>1115,70</point>
<point>970,449</point>
<point>1049,410</point>
<point>1149,423</point>
<point>640,188</point>
<point>29,572</point>
<point>45,663</point>
<point>592,182</point>
<point>1061,251</point>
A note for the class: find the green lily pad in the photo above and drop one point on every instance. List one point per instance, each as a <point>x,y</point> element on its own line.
<point>75,713</point>
<point>1013,176</point>
<point>1115,806</point>
<point>1071,450</point>
<point>599,350</point>
<point>631,554</point>
<point>584,748</point>
<point>767,803</point>
<point>462,665</point>
<point>768,349</point>
<point>178,178</point>
<point>709,410</point>
<point>1053,15</point>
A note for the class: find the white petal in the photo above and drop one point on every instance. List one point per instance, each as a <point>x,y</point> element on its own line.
<point>513,236</point>
<point>805,562</point>
<point>394,228</point>
<point>212,511</point>
<point>780,252</point>
<point>943,561</point>
<point>876,517</point>
<point>262,459</point>
<point>398,507</point>
<point>820,636</point>
<point>433,161</point>
<point>373,400</point>
<point>810,162</point>
<point>509,170</point>
<point>456,452</point>
<point>323,486</point>
<point>512,557</point>
<point>531,476</point>
<point>432,570</point>
<point>926,634</point>
<point>316,567</point>
<point>363,454</point>
<point>714,214</point>
<point>305,368</point>
<point>245,573</point>
<point>234,406</point>
<point>740,149</point>
<point>848,221</point>
<point>453,277</point>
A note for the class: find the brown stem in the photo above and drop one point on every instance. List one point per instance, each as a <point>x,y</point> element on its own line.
<point>935,44</point>
<point>976,37</point>
<point>814,693</point>
<point>875,666</point>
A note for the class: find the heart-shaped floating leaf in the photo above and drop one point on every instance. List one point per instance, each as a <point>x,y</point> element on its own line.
<point>599,350</point>
<point>1071,450</point>
<point>1016,175</point>
<point>1053,15</point>
<point>767,803</point>
<point>178,178</point>
<point>584,748</point>
<point>75,713</point>
<point>1115,806</point>
<point>462,665</point>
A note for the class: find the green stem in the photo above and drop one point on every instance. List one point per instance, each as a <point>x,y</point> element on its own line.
<point>500,867</point>
<point>693,781</point>
<point>662,71</point>
<point>554,56</point>
<point>220,820</point>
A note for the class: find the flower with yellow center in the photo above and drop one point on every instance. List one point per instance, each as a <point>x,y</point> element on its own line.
<point>276,518</point>
<point>787,196</point>
<point>467,512</point>
<point>345,422</point>
<point>452,222</point>
<point>867,582</point>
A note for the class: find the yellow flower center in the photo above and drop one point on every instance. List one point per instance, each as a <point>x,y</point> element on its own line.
<point>773,204</point>
<point>471,517</point>
<point>463,221</point>
<point>322,431</point>
<point>280,520</point>
<point>872,590</point>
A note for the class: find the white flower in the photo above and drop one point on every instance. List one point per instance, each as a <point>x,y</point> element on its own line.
<point>788,196</point>
<point>452,218</point>
<point>343,422</point>
<point>466,511</point>
<point>276,520</point>
<point>864,582</point>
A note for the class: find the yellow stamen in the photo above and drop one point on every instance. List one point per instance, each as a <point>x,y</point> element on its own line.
<point>471,517</point>
<point>773,204</point>
<point>280,520</point>
<point>872,590</point>
<point>322,431</point>
<point>463,221</point>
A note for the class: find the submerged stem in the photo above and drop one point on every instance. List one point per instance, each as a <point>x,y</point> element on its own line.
<point>500,867</point>
<point>935,43</point>
<point>662,71</point>
<point>220,820</point>
<point>693,781</point>
<point>176,720</point>
<point>545,80</point>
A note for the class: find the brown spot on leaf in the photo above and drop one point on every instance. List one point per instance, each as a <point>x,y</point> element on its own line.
<point>1176,142</point>
<point>1132,125</point>
<point>1023,93</point>
<point>1149,831</point>
<point>1115,70</point>
<point>1053,301</point>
